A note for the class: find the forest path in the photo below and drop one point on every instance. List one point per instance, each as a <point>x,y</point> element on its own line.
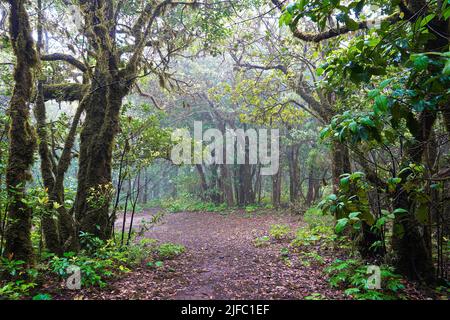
<point>220,262</point>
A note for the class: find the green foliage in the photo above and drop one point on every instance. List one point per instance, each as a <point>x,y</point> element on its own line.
<point>15,290</point>
<point>263,241</point>
<point>187,203</point>
<point>170,250</point>
<point>279,232</point>
<point>351,205</point>
<point>94,272</point>
<point>12,268</point>
<point>142,138</point>
<point>20,281</point>
<point>90,242</point>
<point>99,263</point>
<point>307,236</point>
<point>315,296</point>
<point>313,256</point>
<point>42,297</point>
<point>110,260</point>
<point>314,217</point>
<point>351,275</point>
<point>156,264</point>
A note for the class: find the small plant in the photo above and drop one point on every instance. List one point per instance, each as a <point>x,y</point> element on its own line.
<point>42,297</point>
<point>100,196</point>
<point>94,271</point>
<point>263,241</point>
<point>308,236</point>
<point>90,242</point>
<point>284,253</point>
<point>15,290</point>
<point>12,268</point>
<point>285,256</point>
<point>156,264</point>
<point>351,275</point>
<point>314,256</point>
<point>188,203</point>
<point>314,217</point>
<point>169,250</point>
<point>251,208</point>
<point>280,232</point>
<point>315,296</point>
<point>104,262</point>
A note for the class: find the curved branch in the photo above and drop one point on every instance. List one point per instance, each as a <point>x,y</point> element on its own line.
<point>334,32</point>
<point>67,58</point>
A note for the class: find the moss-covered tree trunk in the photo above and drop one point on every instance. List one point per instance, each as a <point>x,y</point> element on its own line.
<point>111,80</point>
<point>49,223</point>
<point>22,141</point>
<point>95,160</point>
<point>412,248</point>
<point>412,252</point>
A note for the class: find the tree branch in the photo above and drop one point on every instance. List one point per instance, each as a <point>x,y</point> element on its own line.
<point>65,92</point>
<point>67,58</point>
<point>334,32</point>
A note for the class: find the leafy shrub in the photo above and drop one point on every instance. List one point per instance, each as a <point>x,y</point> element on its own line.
<point>156,264</point>
<point>20,280</point>
<point>90,242</point>
<point>309,236</point>
<point>94,271</point>
<point>136,254</point>
<point>251,208</point>
<point>314,217</point>
<point>170,250</point>
<point>105,262</point>
<point>190,204</point>
<point>279,231</point>
<point>351,275</point>
<point>42,297</point>
<point>314,256</point>
<point>15,290</point>
<point>12,268</point>
<point>261,241</point>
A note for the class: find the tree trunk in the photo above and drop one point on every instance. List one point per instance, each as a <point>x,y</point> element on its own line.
<point>246,194</point>
<point>294,173</point>
<point>203,182</point>
<point>49,224</point>
<point>310,196</point>
<point>276,189</point>
<point>227,187</point>
<point>340,163</point>
<point>413,257</point>
<point>22,141</point>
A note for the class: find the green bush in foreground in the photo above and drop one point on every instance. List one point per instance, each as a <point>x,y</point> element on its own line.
<point>99,263</point>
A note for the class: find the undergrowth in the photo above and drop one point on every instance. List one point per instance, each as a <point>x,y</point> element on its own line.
<point>99,263</point>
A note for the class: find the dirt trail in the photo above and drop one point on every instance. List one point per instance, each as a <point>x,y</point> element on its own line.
<point>220,262</point>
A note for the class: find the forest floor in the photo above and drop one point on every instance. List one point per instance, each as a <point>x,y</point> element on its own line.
<point>221,262</point>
